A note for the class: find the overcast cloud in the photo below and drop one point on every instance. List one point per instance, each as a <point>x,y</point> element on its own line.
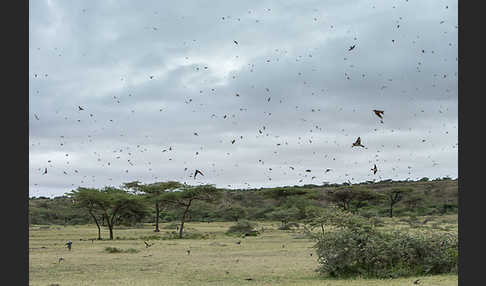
<point>151,74</point>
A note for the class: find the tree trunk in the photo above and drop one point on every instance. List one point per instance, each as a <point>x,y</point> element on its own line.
<point>391,209</point>
<point>110,225</point>
<point>157,211</point>
<point>99,231</point>
<point>97,224</point>
<point>184,219</point>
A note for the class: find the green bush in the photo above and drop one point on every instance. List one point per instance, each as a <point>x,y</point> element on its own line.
<point>352,251</point>
<point>243,227</point>
<point>118,250</point>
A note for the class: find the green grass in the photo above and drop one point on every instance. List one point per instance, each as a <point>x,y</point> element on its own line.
<point>215,261</point>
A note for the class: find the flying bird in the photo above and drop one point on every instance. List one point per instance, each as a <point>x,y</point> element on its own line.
<point>80,108</point>
<point>235,42</point>
<point>36,117</point>
<point>45,171</point>
<point>197,172</point>
<point>374,170</point>
<point>233,141</point>
<point>147,245</point>
<point>351,48</point>
<point>379,113</point>
<point>328,170</point>
<point>357,143</point>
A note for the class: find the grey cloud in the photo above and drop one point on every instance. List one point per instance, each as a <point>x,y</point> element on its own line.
<point>101,55</point>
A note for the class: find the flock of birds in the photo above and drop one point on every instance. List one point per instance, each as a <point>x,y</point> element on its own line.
<point>264,131</point>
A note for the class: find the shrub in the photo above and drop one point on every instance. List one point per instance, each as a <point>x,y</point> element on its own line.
<point>243,227</point>
<point>118,250</point>
<point>353,250</point>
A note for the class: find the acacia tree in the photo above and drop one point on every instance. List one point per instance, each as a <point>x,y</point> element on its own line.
<point>363,197</point>
<point>395,195</point>
<point>341,197</point>
<point>187,195</point>
<point>357,197</point>
<point>88,199</point>
<point>116,203</point>
<point>154,193</point>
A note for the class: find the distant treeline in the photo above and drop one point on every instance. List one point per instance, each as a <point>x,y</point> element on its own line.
<point>284,204</point>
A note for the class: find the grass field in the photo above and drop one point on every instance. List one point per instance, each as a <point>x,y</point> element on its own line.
<point>274,258</point>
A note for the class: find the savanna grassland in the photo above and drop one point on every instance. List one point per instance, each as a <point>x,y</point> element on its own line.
<point>275,257</point>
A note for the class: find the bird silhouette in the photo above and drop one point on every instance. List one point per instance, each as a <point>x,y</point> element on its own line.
<point>197,172</point>
<point>45,171</point>
<point>235,42</point>
<point>357,143</point>
<point>379,113</point>
<point>36,117</point>
<point>147,245</point>
<point>328,170</point>
<point>351,48</point>
<point>374,169</point>
<point>80,108</point>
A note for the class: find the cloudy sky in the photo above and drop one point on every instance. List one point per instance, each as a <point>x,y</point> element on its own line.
<point>277,77</point>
